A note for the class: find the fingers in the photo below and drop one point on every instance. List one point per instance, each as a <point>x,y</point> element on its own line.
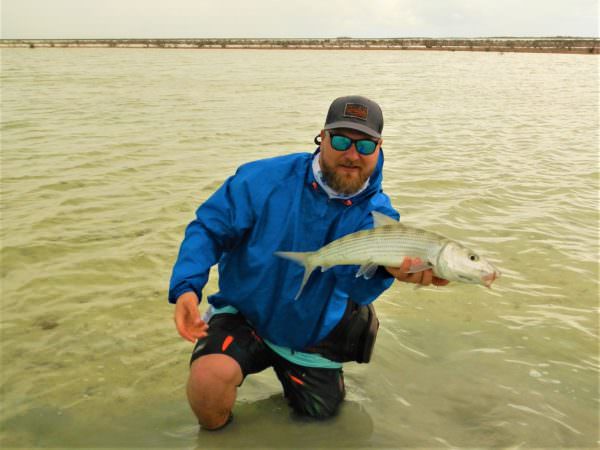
<point>182,329</point>
<point>188,322</point>
<point>406,263</point>
<point>192,332</point>
<point>401,272</point>
<point>198,332</point>
<point>185,334</point>
<point>439,281</point>
<point>424,278</point>
<point>427,277</point>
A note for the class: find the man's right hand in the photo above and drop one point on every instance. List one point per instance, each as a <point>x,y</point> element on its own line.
<point>187,317</point>
<point>424,278</point>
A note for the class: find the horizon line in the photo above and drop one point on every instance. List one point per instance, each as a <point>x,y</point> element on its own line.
<point>301,38</point>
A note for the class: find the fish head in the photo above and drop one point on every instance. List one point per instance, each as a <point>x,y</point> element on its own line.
<point>460,263</point>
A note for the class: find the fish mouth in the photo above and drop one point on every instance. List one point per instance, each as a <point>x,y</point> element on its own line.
<point>489,278</point>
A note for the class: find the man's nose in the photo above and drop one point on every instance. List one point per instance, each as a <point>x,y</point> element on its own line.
<point>352,153</point>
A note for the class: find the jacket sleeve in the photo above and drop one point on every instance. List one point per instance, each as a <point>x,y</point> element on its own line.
<point>221,222</point>
<point>361,290</point>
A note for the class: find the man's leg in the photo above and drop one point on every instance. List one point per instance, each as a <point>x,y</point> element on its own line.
<point>212,388</point>
<point>311,391</point>
<point>219,364</point>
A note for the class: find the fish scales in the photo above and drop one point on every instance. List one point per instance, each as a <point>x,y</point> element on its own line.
<point>386,245</point>
<point>379,242</point>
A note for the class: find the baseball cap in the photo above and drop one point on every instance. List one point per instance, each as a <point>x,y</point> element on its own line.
<point>357,113</point>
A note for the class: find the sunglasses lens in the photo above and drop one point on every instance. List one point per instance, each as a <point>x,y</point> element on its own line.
<point>365,147</point>
<point>341,143</point>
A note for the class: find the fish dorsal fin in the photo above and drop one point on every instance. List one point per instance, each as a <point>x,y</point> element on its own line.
<point>380,219</point>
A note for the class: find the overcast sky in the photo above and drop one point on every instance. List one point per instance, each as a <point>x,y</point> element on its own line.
<point>296,18</point>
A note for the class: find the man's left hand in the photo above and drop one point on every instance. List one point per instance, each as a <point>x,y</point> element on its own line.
<point>424,278</point>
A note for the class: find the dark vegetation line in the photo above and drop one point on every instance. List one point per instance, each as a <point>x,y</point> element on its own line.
<point>557,44</point>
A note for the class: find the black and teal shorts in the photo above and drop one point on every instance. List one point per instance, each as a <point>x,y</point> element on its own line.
<point>312,391</point>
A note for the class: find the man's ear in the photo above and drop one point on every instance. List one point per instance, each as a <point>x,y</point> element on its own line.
<point>319,137</point>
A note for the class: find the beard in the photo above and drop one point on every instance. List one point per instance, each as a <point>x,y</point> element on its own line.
<point>346,183</point>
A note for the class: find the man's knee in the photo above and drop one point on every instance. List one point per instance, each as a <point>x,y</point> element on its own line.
<point>212,389</point>
<point>320,402</point>
<point>215,370</point>
<point>317,407</point>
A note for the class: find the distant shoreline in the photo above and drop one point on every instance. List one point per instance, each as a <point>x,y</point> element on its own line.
<point>588,46</point>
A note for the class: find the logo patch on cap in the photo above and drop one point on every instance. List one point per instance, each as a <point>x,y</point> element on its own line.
<point>356,111</point>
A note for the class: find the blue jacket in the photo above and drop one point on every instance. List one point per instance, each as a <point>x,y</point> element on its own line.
<point>276,205</point>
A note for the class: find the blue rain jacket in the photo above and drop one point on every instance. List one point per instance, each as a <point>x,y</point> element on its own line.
<point>276,205</point>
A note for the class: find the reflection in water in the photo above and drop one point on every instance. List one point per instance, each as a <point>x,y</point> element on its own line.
<point>279,428</point>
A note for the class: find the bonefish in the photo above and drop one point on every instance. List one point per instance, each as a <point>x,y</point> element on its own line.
<point>387,244</point>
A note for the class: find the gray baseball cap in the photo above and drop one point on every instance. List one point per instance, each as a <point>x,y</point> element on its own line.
<point>357,113</point>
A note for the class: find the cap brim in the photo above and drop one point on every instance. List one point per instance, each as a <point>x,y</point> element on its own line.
<point>353,126</point>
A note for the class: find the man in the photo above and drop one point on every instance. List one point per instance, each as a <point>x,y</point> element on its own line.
<point>297,202</point>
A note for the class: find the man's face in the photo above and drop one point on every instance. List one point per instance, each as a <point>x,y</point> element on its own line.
<point>346,171</point>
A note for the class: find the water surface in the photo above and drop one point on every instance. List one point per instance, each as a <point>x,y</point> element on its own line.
<point>106,153</point>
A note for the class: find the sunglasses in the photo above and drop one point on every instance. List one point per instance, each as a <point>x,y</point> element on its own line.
<point>342,143</point>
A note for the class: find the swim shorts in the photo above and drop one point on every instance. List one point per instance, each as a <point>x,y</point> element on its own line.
<point>312,391</point>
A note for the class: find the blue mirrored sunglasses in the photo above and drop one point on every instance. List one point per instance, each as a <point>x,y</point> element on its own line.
<point>342,143</point>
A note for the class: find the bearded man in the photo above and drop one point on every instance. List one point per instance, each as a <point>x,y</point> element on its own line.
<point>298,202</point>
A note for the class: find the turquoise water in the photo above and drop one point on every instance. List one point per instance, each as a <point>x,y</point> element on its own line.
<point>106,153</point>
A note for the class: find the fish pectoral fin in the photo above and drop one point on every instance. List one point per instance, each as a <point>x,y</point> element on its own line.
<point>367,270</point>
<point>380,219</point>
<point>419,267</point>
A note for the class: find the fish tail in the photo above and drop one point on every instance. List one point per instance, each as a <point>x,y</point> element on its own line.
<point>304,259</point>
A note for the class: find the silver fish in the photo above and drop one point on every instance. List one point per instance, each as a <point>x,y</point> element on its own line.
<point>387,244</point>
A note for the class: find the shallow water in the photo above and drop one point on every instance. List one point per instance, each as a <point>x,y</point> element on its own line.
<point>106,153</point>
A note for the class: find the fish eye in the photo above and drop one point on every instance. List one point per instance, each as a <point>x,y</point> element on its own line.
<point>474,257</point>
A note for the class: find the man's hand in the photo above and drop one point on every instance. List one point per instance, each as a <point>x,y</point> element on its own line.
<point>424,278</point>
<point>187,318</point>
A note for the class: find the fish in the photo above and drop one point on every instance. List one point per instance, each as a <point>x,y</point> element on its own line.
<point>387,244</point>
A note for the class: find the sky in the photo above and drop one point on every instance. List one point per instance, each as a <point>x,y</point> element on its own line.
<point>97,19</point>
